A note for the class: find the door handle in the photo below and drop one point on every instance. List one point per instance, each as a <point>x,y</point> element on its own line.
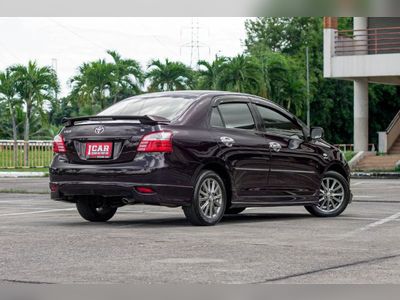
<point>228,141</point>
<point>275,146</point>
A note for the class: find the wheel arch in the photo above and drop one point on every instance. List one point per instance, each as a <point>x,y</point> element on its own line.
<point>338,168</point>
<point>223,172</point>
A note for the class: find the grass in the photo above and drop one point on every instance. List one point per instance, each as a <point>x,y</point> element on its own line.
<point>17,191</point>
<point>377,170</point>
<point>348,155</point>
<point>37,158</point>
<point>46,170</point>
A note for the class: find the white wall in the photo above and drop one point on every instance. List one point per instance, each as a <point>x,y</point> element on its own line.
<point>379,65</point>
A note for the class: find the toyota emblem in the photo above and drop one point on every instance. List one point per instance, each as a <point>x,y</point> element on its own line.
<point>99,130</point>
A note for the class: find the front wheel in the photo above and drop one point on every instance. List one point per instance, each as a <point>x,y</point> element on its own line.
<point>209,200</point>
<point>95,210</point>
<point>334,196</point>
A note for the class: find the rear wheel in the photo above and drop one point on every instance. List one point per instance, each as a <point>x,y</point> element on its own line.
<point>234,210</point>
<point>95,210</point>
<point>334,196</point>
<point>209,200</point>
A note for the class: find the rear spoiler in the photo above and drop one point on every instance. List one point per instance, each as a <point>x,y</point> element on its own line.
<point>148,120</point>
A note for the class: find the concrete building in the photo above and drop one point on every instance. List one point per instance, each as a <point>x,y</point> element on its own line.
<point>370,52</point>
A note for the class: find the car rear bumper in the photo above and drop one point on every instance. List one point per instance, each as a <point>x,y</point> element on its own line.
<point>170,186</point>
<point>169,195</point>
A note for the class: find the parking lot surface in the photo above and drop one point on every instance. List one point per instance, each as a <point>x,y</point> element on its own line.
<point>42,241</point>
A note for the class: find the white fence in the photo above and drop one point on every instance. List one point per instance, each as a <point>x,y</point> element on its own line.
<point>40,154</point>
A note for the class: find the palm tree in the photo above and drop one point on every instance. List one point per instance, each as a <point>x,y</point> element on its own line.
<point>242,74</point>
<point>93,83</point>
<point>211,72</point>
<point>33,84</point>
<point>128,77</point>
<point>8,94</point>
<point>169,75</point>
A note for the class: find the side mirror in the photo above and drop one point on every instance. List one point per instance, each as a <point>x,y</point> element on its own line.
<point>317,133</point>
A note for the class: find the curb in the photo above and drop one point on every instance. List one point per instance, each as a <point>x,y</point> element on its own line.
<point>22,174</point>
<point>375,175</point>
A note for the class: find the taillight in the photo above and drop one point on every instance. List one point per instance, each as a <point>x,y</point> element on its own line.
<point>144,190</point>
<point>158,141</point>
<point>58,144</point>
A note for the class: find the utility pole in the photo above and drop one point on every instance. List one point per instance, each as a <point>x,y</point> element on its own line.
<point>194,44</point>
<point>308,88</point>
<point>54,66</point>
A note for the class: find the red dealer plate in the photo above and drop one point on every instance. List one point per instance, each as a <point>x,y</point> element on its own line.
<point>99,149</point>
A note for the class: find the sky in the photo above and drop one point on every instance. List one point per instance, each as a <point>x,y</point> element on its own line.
<point>65,43</point>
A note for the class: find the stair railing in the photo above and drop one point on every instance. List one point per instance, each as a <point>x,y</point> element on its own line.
<point>388,138</point>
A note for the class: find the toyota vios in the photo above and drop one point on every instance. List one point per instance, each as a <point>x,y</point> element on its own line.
<point>212,153</point>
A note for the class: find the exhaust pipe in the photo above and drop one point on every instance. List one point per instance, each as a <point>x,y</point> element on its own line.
<point>129,201</point>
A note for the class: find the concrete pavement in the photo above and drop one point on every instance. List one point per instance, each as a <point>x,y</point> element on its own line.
<point>42,241</point>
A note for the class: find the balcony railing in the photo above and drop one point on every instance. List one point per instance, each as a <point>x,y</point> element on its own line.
<point>369,41</point>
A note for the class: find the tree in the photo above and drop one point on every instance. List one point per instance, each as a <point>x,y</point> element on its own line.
<point>169,76</point>
<point>286,39</point>
<point>287,35</point>
<point>34,85</point>
<point>128,77</point>
<point>242,74</point>
<point>8,94</point>
<point>93,84</point>
<point>209,73</point>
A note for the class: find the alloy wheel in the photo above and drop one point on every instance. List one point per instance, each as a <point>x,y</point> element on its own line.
<point>210,199</point>
<point>331,196</point>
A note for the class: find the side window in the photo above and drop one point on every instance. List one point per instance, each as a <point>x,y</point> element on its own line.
<point>237,115</point>
<point>216,120</point>
<point>277,123</point>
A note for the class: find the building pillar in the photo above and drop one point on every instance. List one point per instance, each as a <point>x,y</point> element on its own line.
<point>360,89</point>
<point>360,25</point>
<point>361,115</point>
<point>330,28</point>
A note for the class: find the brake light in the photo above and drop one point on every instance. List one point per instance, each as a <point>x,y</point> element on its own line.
<point>158,141</point>
<point>59,144</point>
<point>144,190</point>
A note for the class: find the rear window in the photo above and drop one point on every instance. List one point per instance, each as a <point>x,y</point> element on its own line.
<point>166,107</point>
<point>237,115</point>
<point>216,120</point>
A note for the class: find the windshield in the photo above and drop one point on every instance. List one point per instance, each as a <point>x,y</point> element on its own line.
<point>168,107</point>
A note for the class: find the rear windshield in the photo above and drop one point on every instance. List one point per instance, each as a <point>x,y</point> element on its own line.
<point>166,107</point>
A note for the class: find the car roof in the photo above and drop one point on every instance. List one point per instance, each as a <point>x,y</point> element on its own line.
<point>192,93</point>
<point>200,94</point>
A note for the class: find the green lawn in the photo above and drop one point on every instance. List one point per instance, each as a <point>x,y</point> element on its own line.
<point>348,155</point>
<point>37,158</point>
<point>46,170</point>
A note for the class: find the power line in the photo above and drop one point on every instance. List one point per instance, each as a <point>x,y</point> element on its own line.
<point>94,44</point>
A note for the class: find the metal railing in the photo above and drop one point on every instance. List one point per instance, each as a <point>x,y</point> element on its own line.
<point>368,41</point>
<point>350,147</point>
<point>40,154</point>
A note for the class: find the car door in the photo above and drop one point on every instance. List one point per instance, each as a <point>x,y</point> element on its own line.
<point>242,147</point>
<point>295,168</point>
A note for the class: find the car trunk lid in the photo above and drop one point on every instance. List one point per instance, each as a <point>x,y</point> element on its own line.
<point>102,140</point>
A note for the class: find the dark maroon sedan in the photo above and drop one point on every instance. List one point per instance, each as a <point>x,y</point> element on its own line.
<point>210,152</point>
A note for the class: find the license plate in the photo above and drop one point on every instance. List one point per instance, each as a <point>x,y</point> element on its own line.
<point>99,149</point>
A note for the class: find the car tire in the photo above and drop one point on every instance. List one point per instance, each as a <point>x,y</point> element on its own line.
<point>208,201</point>
<point>234,210</point>
<point>95,211</point>
<point>334,190</point>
